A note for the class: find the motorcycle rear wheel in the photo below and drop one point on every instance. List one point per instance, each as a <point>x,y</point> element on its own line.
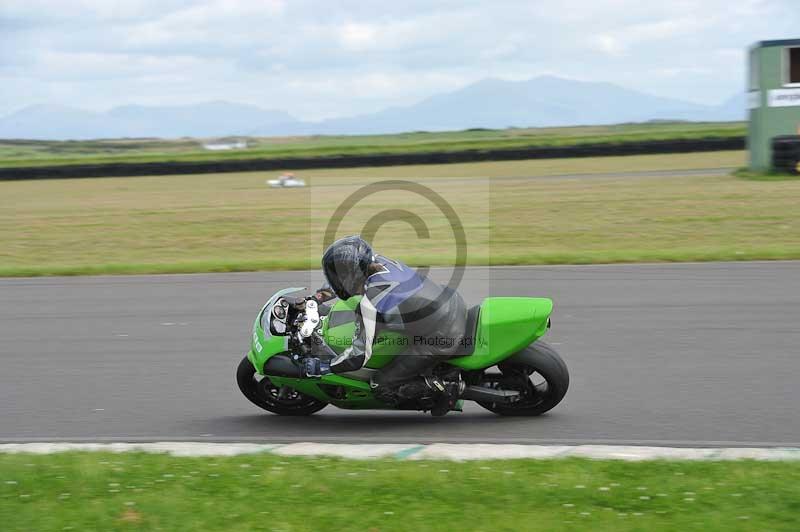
<point>266,395</point>
<point>538,361</point>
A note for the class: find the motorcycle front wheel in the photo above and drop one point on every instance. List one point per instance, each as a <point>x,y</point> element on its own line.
<point>266,395</point>
<point>538,373</point>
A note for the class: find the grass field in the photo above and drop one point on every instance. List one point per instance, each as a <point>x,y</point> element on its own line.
<point>772,175</point>
<point>233,222</point>
<point>94,492</point>
<point>36,153</point>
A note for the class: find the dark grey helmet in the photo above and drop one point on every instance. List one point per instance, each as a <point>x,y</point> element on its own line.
<point>345,264</point>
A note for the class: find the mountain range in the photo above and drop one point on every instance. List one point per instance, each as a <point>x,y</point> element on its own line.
<point>490,103</point>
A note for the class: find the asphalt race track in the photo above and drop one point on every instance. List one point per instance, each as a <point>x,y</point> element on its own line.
<point>684,354</point>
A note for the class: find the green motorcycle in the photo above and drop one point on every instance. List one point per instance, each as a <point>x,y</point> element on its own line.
<point>503,333</point>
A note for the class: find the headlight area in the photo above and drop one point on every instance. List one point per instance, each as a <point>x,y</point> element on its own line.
<point>273,318</point>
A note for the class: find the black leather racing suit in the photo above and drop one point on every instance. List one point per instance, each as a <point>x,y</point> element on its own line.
<point>432,317</point>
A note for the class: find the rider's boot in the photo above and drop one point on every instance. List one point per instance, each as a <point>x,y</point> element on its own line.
<point>385,394</point>
<point>446,393</point>
<point>447,399</point>
<point>418,387</point>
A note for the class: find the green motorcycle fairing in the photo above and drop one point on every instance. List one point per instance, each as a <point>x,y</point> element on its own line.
<point>263,344</point>
<point>505,326</point>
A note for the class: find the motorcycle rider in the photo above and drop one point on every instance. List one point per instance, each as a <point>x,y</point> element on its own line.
<point>395,297</point>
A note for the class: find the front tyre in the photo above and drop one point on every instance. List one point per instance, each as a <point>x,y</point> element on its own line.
<point>266,395</point>
<point>538,373</point>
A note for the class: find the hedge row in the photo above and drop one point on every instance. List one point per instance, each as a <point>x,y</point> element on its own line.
<point>352,161</point>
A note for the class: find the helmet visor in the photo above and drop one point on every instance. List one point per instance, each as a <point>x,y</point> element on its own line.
<point>344,281</point>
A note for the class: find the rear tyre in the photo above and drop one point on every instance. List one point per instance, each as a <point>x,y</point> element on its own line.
<point>266,395</point>
<point>538,373</point>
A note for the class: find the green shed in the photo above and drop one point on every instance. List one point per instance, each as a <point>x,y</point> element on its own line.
<point>774,97</point>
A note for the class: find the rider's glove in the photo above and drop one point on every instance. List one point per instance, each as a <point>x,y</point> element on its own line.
<point>314,367</point>
<point>324,294</point>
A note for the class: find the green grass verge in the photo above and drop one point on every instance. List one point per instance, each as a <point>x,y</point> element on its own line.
<point>100,491</point>
<point>746,173</point>
<point>19,153</point>
<point>764,252</point>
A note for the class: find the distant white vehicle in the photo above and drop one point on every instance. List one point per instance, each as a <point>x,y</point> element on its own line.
<point>222,146</point>
<point>286,181</point>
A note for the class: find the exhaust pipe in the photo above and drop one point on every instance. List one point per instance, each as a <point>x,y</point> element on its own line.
<point>489,395</point>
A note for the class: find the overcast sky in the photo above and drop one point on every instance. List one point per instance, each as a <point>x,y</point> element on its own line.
<point>324,58</point>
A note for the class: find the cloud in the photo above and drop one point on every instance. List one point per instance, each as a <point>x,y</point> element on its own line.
<point>608,44</point>
<point>321,58</point>
<point>358,37</point>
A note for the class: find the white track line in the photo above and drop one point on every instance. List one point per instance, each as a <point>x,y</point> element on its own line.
<point>436,451</point>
